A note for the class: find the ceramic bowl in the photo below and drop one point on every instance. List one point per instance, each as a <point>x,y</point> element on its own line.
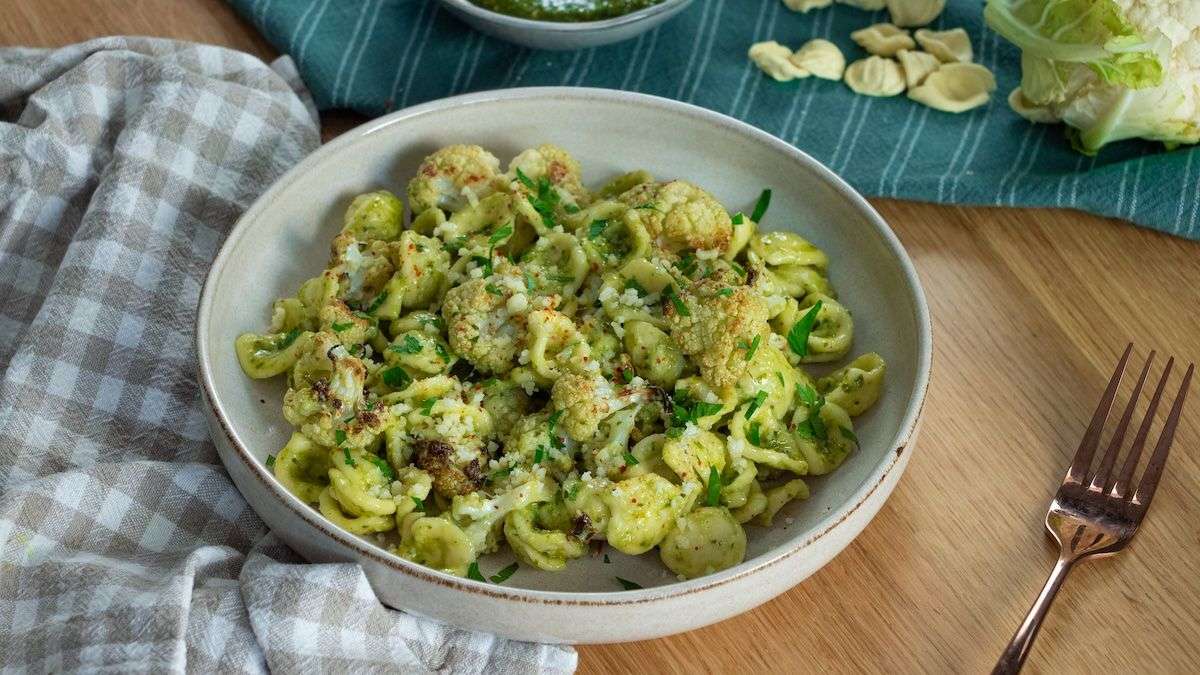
<point>284,238</point>
<point>561,35</point>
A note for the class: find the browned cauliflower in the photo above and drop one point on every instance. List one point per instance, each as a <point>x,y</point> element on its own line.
<point>447,176</point>
<point>714,321</point>
<point>556,165</point>
<point>437,458</point>
<point>479,325</point>
<point>362,268</point>
<point>586,400</point>
<point>679,215</point>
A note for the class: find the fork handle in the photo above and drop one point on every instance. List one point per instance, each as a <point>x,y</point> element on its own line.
<point>1018,648</point>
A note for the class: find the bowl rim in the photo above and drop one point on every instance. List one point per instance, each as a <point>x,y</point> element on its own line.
<point>565,27</point>
<point>361,547</point>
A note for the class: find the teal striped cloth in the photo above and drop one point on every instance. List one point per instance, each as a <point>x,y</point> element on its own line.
<point>375,56</point>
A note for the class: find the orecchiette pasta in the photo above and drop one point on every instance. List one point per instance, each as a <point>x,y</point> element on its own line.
<point>774,60</point>
<point>527,362</point>
<point>875,76</point>
<point>820,57</point>
<point>950,46</point>
<point>917,65</point>
<point>955,87</point>
<point>914,12</point>
<point>883,39</point>
<point>806,5</point>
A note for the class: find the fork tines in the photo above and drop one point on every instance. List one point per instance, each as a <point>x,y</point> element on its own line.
<point>1101,480</point>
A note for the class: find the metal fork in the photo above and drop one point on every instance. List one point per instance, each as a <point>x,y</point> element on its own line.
<point>1093,514</point>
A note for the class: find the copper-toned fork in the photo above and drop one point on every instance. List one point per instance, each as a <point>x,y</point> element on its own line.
<point>1093,513</point>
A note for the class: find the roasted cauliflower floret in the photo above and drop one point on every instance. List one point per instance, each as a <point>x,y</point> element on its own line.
<point>448,177</point>
<point>556,165</point>
<point>449,479</point>
<point>327,387</point>
<point>586,400</point>
<point>679,215</point>
<point>361,269</point>
<point>480,327</point>
<point>710,319</point>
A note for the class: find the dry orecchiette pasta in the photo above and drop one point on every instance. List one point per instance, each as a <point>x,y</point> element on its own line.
<point>914,12</point>
<point>774,60</point>
<point>950,46</point>
<point>520,361</point>
<point>883,39</point>
<point>955,87</point>
<point>917,65</point>
<point>806,5</point>
<point>875,76</point>
<point>820,57</point>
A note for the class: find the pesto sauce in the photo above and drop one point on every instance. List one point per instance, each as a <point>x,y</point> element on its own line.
<point>565,10</point>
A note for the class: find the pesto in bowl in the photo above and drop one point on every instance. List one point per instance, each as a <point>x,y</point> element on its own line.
<point>565,10</point>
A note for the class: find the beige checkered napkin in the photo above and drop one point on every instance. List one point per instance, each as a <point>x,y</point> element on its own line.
<point>123,545</point>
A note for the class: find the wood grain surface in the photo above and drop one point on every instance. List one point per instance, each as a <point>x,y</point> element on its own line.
<point>1030,310</point>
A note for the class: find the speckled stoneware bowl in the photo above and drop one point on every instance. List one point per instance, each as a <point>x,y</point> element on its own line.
<point>563,35</point>
<point>284,239</point>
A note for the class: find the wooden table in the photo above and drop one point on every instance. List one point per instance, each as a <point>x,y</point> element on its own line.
<point>1030,310</point>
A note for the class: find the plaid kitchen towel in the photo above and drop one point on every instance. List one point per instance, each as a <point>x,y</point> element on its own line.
<point>381,55</point>
<point>123,545</point>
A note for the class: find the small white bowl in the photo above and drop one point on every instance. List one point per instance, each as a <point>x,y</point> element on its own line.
<point>284,238</point>
<point>564,35</point>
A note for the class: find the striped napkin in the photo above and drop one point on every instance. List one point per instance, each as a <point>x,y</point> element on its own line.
<point>380,55</point>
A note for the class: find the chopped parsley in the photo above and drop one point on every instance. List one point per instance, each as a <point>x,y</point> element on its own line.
<point>571,208</point>
<point>680,307</point>
<point>441,352</point>
<point>411,346</point>
<point>606,560</point>
<point>349,460</point>
<point>287,339</point>
<point>754,434</point>
<point>500,473</point>
<point>375,304</point>
<point>420,504</point>
<point>685,410</point>
<point>270,461</point>
<point>555,441</point>
<point>627,375</point>
<point>849,434</point>
<point>737,268</point>
<point>686,264</point>
<point>813,426</point>
<point>739,218</point>
<point>648,206</point>
<point>798,336</point>
<point>597,228</point>
<point>500,235</point>
<point>725,292</point>
<point>484,263</point>
<point>544,201</point>
<point>750,347</point>
<point>435,321</point>
<point>396,377</point>
<point>539,454</point>
<point>629,585</point>
<point>339,436</point>
<point>473,573</point>
<point>427,405</point>
<point>714,486</point>
<point>760,207</point>
<point>562,278</point>
<point>503,575</point>
<point>529,283</point>
<point>630,460</point>
<point>632,283</point>
<point>493,289</point>
<point>754,405</point>
<point>779,376</point>
<point>339,327</point>
<point>384,467</point>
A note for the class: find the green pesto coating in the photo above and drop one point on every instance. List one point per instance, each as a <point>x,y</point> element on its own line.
<point>565,10</point>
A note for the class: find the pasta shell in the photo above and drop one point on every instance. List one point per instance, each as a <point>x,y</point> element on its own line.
<point>883,39</point>
<point>806,5</point>
<point>914,12</point>
<point>955,87</point>
<point>949,46</point>
<point>917,65</point>
<point>772,58</point>
<point>875,76</point>
<point>821,58</point>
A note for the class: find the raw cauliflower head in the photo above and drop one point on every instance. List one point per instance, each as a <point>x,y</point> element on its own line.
<point>679,215</point>
<point>450,177</point>
<point>1111,69</point>
<point>718,315</point>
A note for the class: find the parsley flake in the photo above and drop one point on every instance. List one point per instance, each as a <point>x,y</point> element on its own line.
<point>725,292</point>
<point>473,573</point>
<point>752,347</point>
<point>597,228</point>
<point>503,575</point>
<point>384,467</point>
<point>420,504</point>
<point>627,375</point>
<point>339,327</point>
<point>375,304</point>
<point>493,289</point>
<point>739,218</point>
<point>349,460</point>
<point>396,377</point>
<point>270,461</point>
<point>760,207</point>
<point>287,339</point>
<point>714,486</point>
<point>500,235</point>
<point>754,434</point>
<point>411,346</point>
<point>427,405</point>
<point>630,460</point>
<point>632,283</point>
<point>798,336</point>
<point>759,398</point>
<point>539,454</point>
<point>339,436</point>
<point>629,585</point>
<point>677,302</point>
